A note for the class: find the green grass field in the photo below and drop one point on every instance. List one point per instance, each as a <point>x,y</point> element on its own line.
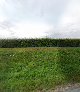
<point>38,69</point>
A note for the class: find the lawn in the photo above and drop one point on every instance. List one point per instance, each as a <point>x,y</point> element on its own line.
<point>38,69</point>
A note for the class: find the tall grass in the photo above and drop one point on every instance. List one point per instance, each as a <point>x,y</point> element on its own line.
<point>38,69</point>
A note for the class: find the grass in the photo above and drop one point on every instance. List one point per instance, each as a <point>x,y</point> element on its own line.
<point>38,69</point>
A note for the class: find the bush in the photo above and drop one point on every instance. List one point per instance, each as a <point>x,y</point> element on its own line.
<point>44,42</point>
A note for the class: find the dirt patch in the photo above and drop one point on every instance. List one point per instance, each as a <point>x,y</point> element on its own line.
<point>67,88</point>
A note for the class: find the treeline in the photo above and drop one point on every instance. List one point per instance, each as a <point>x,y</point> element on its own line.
<point>44,42</point>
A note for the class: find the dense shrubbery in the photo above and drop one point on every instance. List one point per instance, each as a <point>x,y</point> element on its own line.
<point>44,42</point>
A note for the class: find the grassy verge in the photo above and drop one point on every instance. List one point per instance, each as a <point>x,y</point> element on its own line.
<point>37,69</point>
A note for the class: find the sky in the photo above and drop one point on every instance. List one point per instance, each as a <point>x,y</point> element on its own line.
<point>39,18</point>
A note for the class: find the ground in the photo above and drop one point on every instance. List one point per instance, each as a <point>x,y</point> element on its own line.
<point>38,69</point>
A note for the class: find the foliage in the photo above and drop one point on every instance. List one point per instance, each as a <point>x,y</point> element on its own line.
<point>38,69</point>
<point>44,42</point>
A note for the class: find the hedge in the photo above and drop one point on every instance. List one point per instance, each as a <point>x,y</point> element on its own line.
<point>44,42</point>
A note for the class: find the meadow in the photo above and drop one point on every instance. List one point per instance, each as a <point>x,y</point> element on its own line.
<point>38,69</point>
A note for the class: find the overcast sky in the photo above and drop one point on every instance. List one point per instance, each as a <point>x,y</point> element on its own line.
<point>39,18</point>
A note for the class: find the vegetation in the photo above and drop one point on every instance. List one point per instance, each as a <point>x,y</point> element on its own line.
<point>38,69</point>
<point>44,42</point>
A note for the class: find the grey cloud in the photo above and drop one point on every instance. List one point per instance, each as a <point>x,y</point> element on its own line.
<point>64,35</point>
<point>48,10</point>
<point>70,31</point>
<point>7,25</point>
